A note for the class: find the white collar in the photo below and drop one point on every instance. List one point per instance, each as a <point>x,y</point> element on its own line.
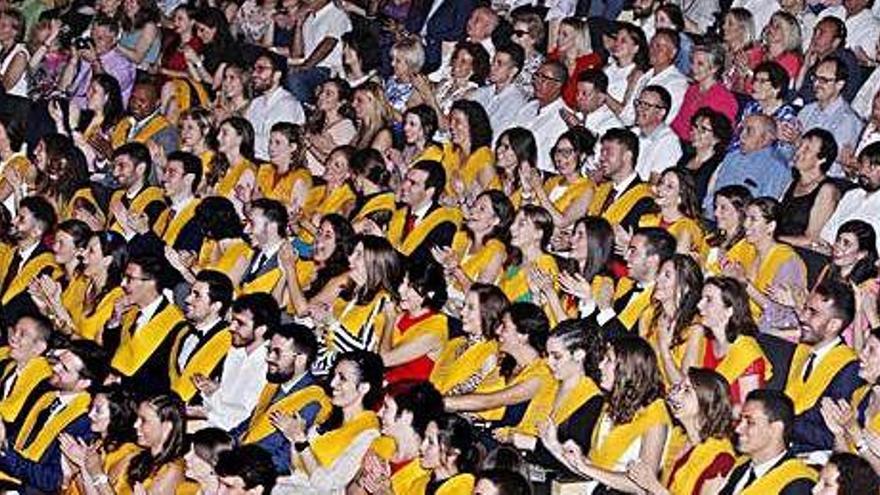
<point>289,384</point>
<point>618,188</point>
<point>149,310</point>
<point>207,325</point>
<point>179,205</point>
<point>26,253</point>
<point>764,467</point>
<point>422,210</point>
<point>821,351</point>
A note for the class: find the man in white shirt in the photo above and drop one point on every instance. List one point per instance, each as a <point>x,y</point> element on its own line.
<point>274,103</point>
<point>317,30</point>
<point>862,203</point>
<point>231,400</point>
<point>663,51</point>
<point>592,111</point>
<point>659,147</point>
<point>862,28</point>
<point>502,99</point>
<point>542,115</point>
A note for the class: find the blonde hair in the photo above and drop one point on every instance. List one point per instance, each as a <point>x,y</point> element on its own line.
<point>380,114</point>
<point>411,51</point>
<point>582,34</point>
<point>791,29</point>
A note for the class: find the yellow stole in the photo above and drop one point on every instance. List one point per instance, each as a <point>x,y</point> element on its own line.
<point>648,331</point>
<point>81,195</point>
<point>379,202</point>
<point>430,153</point>
<point>617,211</point>
<point>779,255</point>
<point>327,447</point>
<point>467,171</point>
<point>678,229</point>
<point>73,296</point>
<point>573,192</point>
<point>135,350</point>
<point>260,427</point>
<point>779,477</point>
<point>585,390</point>
<point>332,202</point>
<point>515,281</point>
<point>49,431</point>
<point>860,395</point>
<point>202,361</point>
<point>741,354</point>
<point>420,231</point>
<point>120,134</point>
<point>411,479</point>
<point>264,283</point>
<point>618,440</point>
<point>541,404</point>
<point>207,159</point>
<point>742,252</point>
<point>91,326</point>
<point>140,202</point>
<point>638,303</point>
<point>115,464</point>
<point>226,185</point>
<point>28,272</point>
<point>473,263</point>
<point>176,224</point>
<point>805,394</point>
<point>34,372</point>
<point>184,89</point>
<point>700,458</point>
<point>227,259</point>
<point>460,483</point>
<point>437,324</point>
<point>353,317</point>
<point>450,371</point>
<point>279,187</point>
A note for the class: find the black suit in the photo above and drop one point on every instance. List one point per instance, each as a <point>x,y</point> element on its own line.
<point>800,486</point>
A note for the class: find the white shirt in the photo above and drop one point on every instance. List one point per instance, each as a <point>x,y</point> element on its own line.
<point>870,135</point>
<point>864,99</point>
<point>147,312</point>
<point>820,352</point>
<point>759,469</point>
<point>601,120</point>
<point>279,105</point>
<point>20,88</point>
<point>618,78</point>
<point>334,479</point>
<point>25,254</point>
<point>856,204</point>
<point>241,382</point>
<point>500,106</point>
<point>671,79</point>
<point>192,340</point>
<point>328,22</point>
<point>862,30</point>
<point>547,125</point>
<point>657,151</point>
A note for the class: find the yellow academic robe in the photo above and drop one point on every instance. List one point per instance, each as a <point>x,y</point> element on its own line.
<point>620,207</point>
<point>541,405</point>
<point>35,265</point>
<point>474,263</point>
<point>460,361</point>
<point>204,360</point>
<point>572,192</point>
<point>409,243</point>
<point>779,477</point>
<point>138,205</point>
<point>607,450</point>
<point>467,170</point>
<point>136,349</point>
<point>805,395</point>
<point>91,326</point>
<point>226,185</point>
<point>279,187</point>
<point>175,225</point>
<point>259,425</point>
<point>35,372</point>
<point>120,133</point>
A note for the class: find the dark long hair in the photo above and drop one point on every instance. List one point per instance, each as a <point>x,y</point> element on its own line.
<point>713,398</point>
<point>503,209</point>
<point>689,287</point>
<point>866,268</point>
<point>113,245</point>
<point>170,409</point>
<point>123,414</point>
<point>337,263</point>
<point>66,161</point>
<point>221,164</point>
<point>600,245</point>
<point>739,197</point>
<point>735,297</point>
<point>371,370</point>
<point>493,305</point>
<point>637,379</point>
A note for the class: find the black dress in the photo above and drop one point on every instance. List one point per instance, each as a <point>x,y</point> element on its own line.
<point>794,211</point>
<point>703,174</point>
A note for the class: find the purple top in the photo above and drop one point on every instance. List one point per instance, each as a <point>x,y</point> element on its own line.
<point>115,64</point>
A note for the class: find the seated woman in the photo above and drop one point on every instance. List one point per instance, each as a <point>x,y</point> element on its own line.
<point>233,166</point>
<point>141,38</point>
<point>770,84</point>
<point>780,43</point>
<point>478,250</point>
<point>728,243</point>
<point>68,248</point>
<point>285,177</point>
<point>633,426</point>
<point>206,445</point>
<point>419,127</point>
<point>847,473</point>
<point>14,56</point>
<point>854,260</point>
<point>515,151</point>
<point>710,135</point>
<point>375,202</point>
<point>528,396</point>
<point>319,279</point>
<point>469,67</point>
<point>112,417</point>
<point>195,129</point>
<point>331,192</point>
<point>776,268</point>
<point>679,213</point>
<point>565,196</point>
<point>359,317</point>
<point>727,343</point>
<point>573,353</point>
<point>219,48</point>
<point>179,93</point>
<point>233,95</point>
<point>469,364</point>
<point>327,458</point>
<point>467,156</point>
<point>574,50</point>
<point>701,406</point>
<point>668,323</point>
<point>224,248</point>
<point>374,117</point>
<point>407,59</point>
<point>413,345</point>
<point>331,125</point>
<point>530,236</point>
<point>449,455</point>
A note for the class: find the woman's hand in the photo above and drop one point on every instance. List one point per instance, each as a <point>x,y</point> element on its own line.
<point>576,285</point>
<point>644,476</point>
<point>548,433</point>
<point>622,238</point>
<point>292,426</point>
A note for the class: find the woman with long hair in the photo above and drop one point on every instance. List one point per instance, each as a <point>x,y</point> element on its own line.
<point>469,363</point>
<point>376,201</point>
<point>91,128</point>
<point>739,37</point>
<point>219,48</point>
<point>373,115</point>
<point>63,178</point>
<point>701,406</point>
<point>224,248</point>
<point>530,240</point>
<point>196,129</point>
<point>728,243</point>
<point>627,63</point>
<point>528,395</point>
<point>332,191</point>
<point>13,54</point>
<point>112,417</point>
<point>331,125</point>
<point>233,166</point>
<point>285,177</point>
<point>567,195</point>
<point>515,151</point>
<point>678,211</point>
<point>711,132</point>
<point>179,91</point>
<point>141,39</point>
<point>449,455</point>
<point>361,314</point>
<point>420,124</point>
<point>467,156</point>
<point>233,95</point>
<point>727,342</point>
<point>574,50</point>
<point>854,260</point>
<point>634,423</point>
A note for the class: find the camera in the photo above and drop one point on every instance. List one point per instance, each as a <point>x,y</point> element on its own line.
<point>82,43</point>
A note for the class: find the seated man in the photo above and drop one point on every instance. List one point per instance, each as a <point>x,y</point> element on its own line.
<point>135,207</point>
<point>659,147</point>
<point>146,125</point>
<point>622,198</point>
<point>24,371</point>
<point>763,432</point>
<point>247,469</point>
<point>266,226</point>
<point>822,366</point>
<point>291,390</point>
<point>33,456</point>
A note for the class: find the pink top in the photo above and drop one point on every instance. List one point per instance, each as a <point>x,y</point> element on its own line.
<point>718,98</point>
<point>789,60</point>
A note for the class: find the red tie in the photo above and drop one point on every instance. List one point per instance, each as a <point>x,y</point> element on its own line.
<point>409,225</point>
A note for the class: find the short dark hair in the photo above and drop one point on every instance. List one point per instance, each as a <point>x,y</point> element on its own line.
<point>530,319</point>
<point>841,73</point>
<point>671,35</point>
<point>138,153</point>
<point>842,299</point>
<point>220,288</point>
<point>839,26</point>
<point>515,52</point>
<point>436,176</point>
<point>304,339</point>
<point>153,268</point>
<point>262,307</point>
<point>420,398</point>
<point>663,94</point>
<point>251,463</point>
<point>274,211</point>
<point>659,242</point>
<point>827,147</point>
<point>507,482</point>
<point>625,138</point>
<point>776,75</point>
<point>94,358</point>
<point>191,165</point>
<point>855,473</point>
<point>561,72</point>
<point>428,281</point>
<point>777,406</point>
<point>596,77</point>
<point>42,211</point>
<point>42,324</point>
<point>106,21</point>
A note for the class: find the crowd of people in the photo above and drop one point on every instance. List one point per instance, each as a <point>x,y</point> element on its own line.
<point>440,247</point>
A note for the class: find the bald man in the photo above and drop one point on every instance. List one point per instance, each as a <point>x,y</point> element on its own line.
<point>758,165</point>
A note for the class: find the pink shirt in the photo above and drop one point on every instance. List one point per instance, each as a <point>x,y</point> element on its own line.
<point>718,98</point>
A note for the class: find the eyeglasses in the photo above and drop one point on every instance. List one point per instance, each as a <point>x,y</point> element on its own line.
<point>648,104</point>
<point>544,77</point>
<point>822,79</point>
<point>564,152</point>
<point>128,278</point>
<point>701,128</point>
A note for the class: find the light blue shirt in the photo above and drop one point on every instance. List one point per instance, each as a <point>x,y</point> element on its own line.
<point>763,173</point>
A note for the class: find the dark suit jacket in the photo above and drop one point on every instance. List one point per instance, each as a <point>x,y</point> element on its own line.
<point>447,24</point>
<point>800,486</point>
<point>578,427</point>
<point>441,236</point>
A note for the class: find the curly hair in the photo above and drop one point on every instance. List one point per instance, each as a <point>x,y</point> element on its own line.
<point>637,379</point>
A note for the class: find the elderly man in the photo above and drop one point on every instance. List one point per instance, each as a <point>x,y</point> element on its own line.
<point>664,48</point>
<point>758,165</point>
<point>542,115</point>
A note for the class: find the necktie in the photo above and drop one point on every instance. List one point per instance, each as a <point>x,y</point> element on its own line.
<point>809,367</point>
<point>409,225</point>
<point>261,260</point>
<point>608,200</point>
<point>751,479</point>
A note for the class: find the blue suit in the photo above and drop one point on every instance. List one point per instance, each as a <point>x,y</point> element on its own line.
<point>448,23</point>
<point>810,433</point>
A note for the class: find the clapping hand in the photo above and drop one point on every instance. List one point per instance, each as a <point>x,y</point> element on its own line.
<point>292,426</point>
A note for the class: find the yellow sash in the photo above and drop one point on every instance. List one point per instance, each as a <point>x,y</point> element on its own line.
<point>460,483</point>
<point>805,394</point>
<point>473,264</point>
<point>355,318</point>
<point>227,259</point>
<point>278,187</point>
<point>858,397</point>
<point>176,224</point>
<point>678,229</point>
<point>742,252</point>
<point>637,304</point>
<point>33,374</point>
<point>135,350</point>
<point>515,281</point>
<point>121,131</point>
<point>741,354</point>
<point>226,186</point>
<point>335,200</point>
<point>260,427</point>
<point>73,296</point>
<point>207,159</point>
<point>184,89</point>
<point>778,478</point>
<point>450,371</point>
<point>138,205</point>
<point>92,326</point>
<point>327,447</point>
<point>420,231</point>
<point>779,255</point>
<point>469,170</point>
<point>700,458</point>
<point>618,440</point>
<point>379,202</point>
<point>264,283</point>
<point>617,211</point>
<point>411,479</point>
<point>81,195</point>
<point>585,390</point>
<point>437,324</point>
<point>573,192</point>
<point>203,361</point>
<point>49,431</point>
<point>541,404</point>
<point>28,272</point>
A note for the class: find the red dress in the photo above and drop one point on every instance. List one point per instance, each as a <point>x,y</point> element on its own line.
<point>591,60</point>
<point>721,466</point>
<point>757,368</point>
<point>419,368</point>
